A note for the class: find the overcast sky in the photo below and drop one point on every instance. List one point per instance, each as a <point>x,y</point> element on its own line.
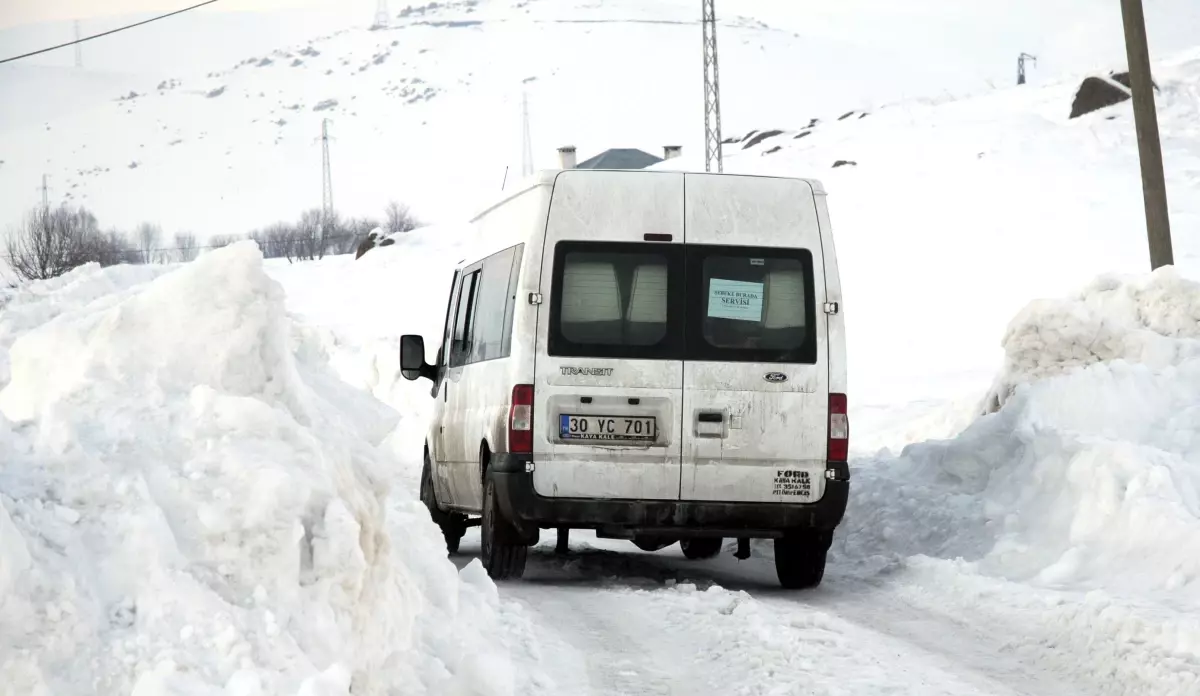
<point>17,12</point>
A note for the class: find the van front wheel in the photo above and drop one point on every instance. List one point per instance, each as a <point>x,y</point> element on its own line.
<point>503,550</point>
<point>800,558</point>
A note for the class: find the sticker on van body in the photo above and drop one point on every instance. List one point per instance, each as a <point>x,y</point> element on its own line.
<point>735,299</point>
<point>792,482</point>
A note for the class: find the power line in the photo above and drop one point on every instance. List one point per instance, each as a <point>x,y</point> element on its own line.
<point>112,31</point>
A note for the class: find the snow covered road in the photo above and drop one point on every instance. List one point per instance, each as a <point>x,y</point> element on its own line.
<point>616,620</point>
<point>1050,548</point>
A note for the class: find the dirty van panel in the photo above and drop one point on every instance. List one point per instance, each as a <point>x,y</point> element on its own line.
<point>609,369</point>
<point>756,378</point>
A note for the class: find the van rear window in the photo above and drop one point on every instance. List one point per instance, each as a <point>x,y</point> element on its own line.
<point>699,302</point>
<point>750,305</point>
<point>613,300</point>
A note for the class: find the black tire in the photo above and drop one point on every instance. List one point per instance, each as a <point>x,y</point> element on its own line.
<point>701,548</point>
<point>800,559</point>
<point>502,550</point>
<point>453,525</point>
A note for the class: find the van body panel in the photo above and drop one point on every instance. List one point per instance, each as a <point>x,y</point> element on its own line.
<point>616,208</point>
<point>475,396</point>
<point>674,328</point>
<point>838,381</point>
<point>756,430</point>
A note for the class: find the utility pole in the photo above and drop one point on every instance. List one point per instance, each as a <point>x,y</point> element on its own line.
<point>713,148</point>
<point>1154,186</point>
<point>78,47</point>
<point>1021,66</point>
<point>382,16</point>
<point>526,139</point>
<point>326,184</point>
<point>45,195</point>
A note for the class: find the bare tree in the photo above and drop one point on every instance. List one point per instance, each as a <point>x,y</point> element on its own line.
<point>309,236</point>
<point>51,242</point>
<point>221,240</point>
<point>149,238</point>
<point>399,218</point>
<point>185,246</point>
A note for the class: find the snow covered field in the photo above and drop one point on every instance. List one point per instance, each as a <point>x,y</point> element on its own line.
<point>198,494</point>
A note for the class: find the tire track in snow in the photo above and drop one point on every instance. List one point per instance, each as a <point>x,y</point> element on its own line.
<point>623,623</point>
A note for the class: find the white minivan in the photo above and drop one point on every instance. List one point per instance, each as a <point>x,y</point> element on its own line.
<point>657,356</point>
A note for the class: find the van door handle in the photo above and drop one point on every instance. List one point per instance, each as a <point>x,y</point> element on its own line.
<point>711,417</point>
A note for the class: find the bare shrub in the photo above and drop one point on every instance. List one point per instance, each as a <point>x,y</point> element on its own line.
<point>52,241</point>
<point>149,239</point>
<point>399,218</point>
<point>185,247</point>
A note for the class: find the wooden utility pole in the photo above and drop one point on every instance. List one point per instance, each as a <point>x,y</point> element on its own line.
<point>1154,187</point>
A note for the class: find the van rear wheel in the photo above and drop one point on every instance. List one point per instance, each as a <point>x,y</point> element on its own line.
<point>503,551</point>
<point>800,558</point>
<point>453,525</point>
<point>704,547</point>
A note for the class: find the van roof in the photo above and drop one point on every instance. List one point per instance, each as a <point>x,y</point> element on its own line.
<point>545,177</point>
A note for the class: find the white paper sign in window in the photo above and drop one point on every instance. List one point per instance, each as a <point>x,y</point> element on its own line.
<point>735,299</point>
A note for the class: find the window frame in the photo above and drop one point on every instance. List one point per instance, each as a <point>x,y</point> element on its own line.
<point>698,347</point>
<point>470,279</point>
<point>687,305</point>
<point>669,348</point>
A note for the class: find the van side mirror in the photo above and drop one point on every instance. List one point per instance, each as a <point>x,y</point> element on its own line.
<point>412,358</point>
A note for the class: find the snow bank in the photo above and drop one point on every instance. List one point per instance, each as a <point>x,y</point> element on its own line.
<point>1089,475</point>
<point>1153,320</point>
<point>192,503</point>
<point>1071,516</point>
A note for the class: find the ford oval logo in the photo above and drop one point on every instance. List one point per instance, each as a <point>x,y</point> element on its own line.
<point>775,377</point>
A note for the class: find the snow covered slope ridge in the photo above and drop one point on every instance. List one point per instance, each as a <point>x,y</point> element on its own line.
<point>429,111</point>
<point>191,502</point>
<point>1084,485</point>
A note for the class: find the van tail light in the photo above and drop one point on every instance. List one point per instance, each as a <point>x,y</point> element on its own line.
<point>839,428</point>
<point>520,420</point>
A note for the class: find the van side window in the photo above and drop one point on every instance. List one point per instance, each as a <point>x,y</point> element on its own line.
<point>510,304</point>
<point>447,323</point>
<point>460,343</point>
<point>486,302</point>
<point>493,327</point>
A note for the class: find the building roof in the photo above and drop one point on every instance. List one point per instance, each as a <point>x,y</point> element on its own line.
<point>620,158</point>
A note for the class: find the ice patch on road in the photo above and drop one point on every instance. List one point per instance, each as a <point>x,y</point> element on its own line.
<point>191,502</point>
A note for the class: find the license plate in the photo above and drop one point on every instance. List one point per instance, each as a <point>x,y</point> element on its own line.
<point>609,428</point>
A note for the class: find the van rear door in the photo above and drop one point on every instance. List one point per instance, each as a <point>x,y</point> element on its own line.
<point>609,385</point>
<point>756,376</point>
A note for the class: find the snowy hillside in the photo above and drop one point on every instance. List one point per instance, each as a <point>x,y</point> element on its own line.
<point>950,217</point>
<point>429,111</point>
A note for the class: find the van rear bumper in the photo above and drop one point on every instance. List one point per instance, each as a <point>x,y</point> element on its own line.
<point>529,511</point>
